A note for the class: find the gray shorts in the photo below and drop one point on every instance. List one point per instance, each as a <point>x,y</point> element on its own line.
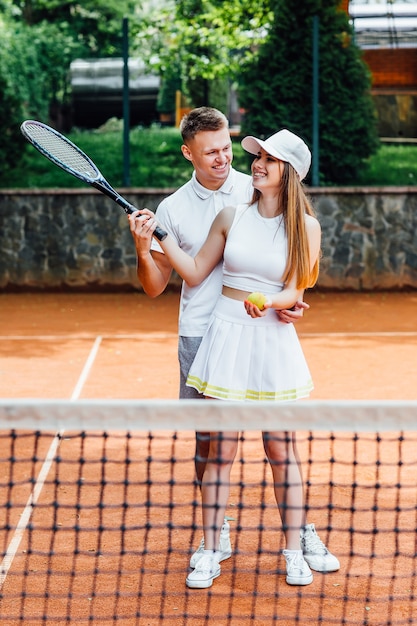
<point>187,349</point>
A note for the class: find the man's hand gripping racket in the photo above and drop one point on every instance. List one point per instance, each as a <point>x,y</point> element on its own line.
<point>70,158</point>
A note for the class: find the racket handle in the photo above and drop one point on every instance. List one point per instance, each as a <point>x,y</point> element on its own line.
<point>160,233</point>
<point>129,208</point>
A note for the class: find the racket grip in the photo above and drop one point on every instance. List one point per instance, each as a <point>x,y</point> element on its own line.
<point>160,233</point>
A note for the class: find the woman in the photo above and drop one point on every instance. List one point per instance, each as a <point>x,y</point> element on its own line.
<point>270,245</point>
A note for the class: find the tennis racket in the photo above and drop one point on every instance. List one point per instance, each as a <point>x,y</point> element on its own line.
<point>73,160</point>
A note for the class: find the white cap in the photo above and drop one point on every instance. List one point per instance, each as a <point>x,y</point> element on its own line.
<point>283,145</point>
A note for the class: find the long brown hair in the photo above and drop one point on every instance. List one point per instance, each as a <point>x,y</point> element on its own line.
<point>295,206</point>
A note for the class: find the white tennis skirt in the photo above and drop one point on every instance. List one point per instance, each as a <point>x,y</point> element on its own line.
<point>242,358</point>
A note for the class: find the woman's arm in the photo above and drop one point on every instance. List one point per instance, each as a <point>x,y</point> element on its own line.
<point>195,270</point>
<point>286,298</point>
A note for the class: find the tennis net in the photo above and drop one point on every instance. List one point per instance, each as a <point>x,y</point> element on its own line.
<point>101,513</point>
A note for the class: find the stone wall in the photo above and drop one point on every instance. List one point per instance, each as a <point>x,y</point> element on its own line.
<point>80,239</point>
<point>369,238</point>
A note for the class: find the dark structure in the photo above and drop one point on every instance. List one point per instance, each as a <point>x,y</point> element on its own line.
<point>387,35</point>
<point>97,92</point>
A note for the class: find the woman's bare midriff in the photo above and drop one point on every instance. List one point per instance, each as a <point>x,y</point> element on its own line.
<point>235,294</point>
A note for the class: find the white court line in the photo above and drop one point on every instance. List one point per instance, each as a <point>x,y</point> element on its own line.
<point>393,333</point>
<point>86,369</point>
<point>74,337</point>
<point>46,466</point>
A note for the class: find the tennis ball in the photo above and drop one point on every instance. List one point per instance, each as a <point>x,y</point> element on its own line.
<point>258,299</point>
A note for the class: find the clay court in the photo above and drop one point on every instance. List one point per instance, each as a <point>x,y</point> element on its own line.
<point>107,346</point>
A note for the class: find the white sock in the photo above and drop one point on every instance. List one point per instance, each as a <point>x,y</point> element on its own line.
<point>215,554</point>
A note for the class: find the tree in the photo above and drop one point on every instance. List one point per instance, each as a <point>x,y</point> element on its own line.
<point>276,86</point>
<point>94,24</point>
<point>206,39</point>
<point>58,32</point>
<point>22,87</point>
<point>39,39</point>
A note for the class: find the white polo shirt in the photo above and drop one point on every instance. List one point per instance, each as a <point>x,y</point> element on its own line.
<point>188,215</point>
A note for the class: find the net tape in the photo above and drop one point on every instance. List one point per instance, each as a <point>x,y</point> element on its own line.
<point>331,415</point>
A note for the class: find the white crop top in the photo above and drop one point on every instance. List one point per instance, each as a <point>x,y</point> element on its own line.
<point>255,255</point>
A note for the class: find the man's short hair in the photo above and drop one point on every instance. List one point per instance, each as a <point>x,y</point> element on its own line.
<point>202,119</point>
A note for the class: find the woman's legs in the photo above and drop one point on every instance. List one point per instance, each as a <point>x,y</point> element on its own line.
<point>289,493</point>
<point>216,484</point>
<point>282,455</point>
<point>214,492</point>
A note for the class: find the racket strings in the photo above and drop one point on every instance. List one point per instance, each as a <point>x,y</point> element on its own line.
<point>61,151</point>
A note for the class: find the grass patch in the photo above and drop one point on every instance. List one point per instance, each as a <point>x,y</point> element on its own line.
<point>156,161</point>
<point>393,164</point>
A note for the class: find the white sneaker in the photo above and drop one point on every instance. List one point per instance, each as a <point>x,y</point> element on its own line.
<point>207,569</point>
<point>315,552</point>
<point>225,547</point>
<point>298,571</point>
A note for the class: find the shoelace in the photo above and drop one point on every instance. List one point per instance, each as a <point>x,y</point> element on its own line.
<point>295,561</point>
<point>313,543</point>
<point>205,565</point>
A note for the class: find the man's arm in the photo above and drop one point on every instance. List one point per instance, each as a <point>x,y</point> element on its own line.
<point>293,315</point>
<point>153,268</point>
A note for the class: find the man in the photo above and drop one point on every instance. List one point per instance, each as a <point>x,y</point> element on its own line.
<point>187,215</point>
